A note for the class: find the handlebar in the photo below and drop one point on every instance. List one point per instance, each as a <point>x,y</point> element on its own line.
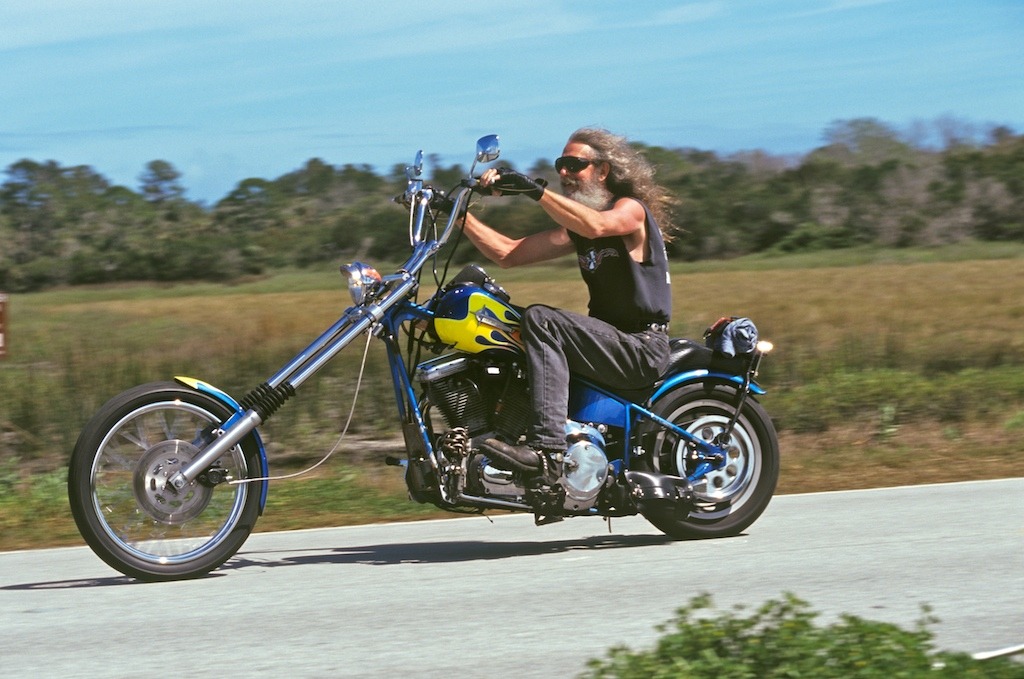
<point>420,203</point>
<point>420,199</point>
<point>428,197</point>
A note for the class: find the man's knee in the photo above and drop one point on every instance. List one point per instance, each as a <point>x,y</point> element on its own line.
<point>536,316</point>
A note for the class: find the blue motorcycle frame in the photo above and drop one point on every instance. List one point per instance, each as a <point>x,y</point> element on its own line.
<point>588,402</point>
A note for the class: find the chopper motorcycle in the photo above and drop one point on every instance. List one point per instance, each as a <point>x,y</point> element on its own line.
<point>168,479</point>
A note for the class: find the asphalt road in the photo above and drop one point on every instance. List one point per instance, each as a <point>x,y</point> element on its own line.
<point>472,598</point>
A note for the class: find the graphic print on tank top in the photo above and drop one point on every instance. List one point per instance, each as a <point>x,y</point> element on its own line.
<point>591,259</point>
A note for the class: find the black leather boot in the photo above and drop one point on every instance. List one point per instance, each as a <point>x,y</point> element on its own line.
<point>524,458</point>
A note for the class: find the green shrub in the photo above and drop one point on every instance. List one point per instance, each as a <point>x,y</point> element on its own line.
<point>780,639</point>
<point>899,395</point>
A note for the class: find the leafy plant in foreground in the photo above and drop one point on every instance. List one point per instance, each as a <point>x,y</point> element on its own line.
<point>780,639</point>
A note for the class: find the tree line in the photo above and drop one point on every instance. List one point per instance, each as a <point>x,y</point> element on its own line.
<point>868,184</point>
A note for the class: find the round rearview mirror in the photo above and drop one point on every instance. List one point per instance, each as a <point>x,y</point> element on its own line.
<point>487,149</point>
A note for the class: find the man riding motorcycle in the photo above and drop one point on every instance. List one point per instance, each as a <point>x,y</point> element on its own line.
<point>614,217</point>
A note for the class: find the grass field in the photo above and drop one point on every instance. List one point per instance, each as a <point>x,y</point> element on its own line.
<point>891,367</point>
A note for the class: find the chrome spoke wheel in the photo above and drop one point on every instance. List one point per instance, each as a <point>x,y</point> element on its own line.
<point>138,509</point>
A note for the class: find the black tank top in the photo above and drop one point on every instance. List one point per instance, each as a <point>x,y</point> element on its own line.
<point>626,293</point>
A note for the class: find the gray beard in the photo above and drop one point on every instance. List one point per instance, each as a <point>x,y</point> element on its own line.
<point>592,194</point>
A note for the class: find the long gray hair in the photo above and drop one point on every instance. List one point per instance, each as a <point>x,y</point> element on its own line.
<point>631,174</point>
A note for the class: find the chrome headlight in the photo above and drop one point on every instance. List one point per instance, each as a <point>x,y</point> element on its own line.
<point>363,279</point>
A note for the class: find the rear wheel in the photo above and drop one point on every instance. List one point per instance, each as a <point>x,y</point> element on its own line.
<point>730,498</point>
<point>123,506</point>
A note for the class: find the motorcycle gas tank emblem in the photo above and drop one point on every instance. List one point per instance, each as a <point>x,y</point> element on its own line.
<point>473,320</point>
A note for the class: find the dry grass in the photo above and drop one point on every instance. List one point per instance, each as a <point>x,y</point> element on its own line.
<point>916,309</point>
<point>856,345</point>
<point>922,307</point>
<point>845,458</point>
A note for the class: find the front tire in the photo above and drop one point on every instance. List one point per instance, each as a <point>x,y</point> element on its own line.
<point>730,499</point>
<point>122,505</point>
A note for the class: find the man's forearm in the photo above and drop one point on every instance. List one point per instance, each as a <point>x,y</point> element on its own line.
<point>493,245</point>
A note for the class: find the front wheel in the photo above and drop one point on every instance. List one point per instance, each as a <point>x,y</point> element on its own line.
<point>125,510</point>
<point>726,501</point>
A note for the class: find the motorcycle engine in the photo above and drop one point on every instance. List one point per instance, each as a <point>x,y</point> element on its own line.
<point>487,396</point>
<point>585,470</point>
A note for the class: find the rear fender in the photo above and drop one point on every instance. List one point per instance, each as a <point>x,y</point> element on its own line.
<point>230,402</point>
<point>702,375</point>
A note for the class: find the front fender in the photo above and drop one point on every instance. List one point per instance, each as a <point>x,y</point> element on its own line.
<point>702,375</point>
<point>230,402</point>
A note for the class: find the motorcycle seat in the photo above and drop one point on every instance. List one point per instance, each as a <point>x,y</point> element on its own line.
<point>686,355</point>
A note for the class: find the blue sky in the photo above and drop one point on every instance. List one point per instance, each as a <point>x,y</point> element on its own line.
<point>230,90</point>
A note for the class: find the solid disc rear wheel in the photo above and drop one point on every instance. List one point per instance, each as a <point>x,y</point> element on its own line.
<point>124,507</point>
<point>731,497</point>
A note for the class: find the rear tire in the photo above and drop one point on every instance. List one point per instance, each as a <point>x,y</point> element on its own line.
<point>734,496</point>
<point>118,494</point>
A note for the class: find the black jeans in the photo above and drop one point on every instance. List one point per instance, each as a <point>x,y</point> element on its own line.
<point>561,342</point>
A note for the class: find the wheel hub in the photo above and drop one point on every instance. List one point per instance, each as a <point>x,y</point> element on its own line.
<point>730,475</point>
<point>158,498</point>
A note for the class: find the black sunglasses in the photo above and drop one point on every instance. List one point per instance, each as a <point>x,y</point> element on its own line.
<point>573,165</point>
